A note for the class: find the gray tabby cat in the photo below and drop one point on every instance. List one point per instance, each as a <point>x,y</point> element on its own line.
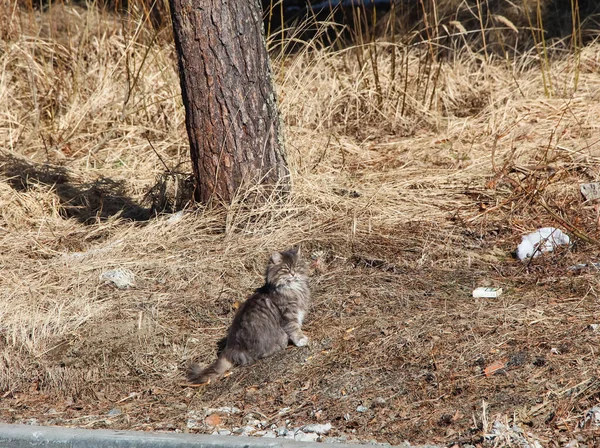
<point>267,321</point>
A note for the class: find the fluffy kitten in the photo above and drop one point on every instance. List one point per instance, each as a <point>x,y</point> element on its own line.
<point>267,321</point>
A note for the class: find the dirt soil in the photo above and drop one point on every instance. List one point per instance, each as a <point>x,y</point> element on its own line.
<point>403,204</point>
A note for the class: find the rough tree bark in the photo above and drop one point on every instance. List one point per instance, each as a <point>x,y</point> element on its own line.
<point>231,112</point>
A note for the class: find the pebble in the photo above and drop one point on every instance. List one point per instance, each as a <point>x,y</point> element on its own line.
<point>269,435</point>
<point>121,278</point>
<point>379,401</point>
<point>30,421</point>
<point>362,408</point>
<point>223,410</point>
<point>591,418</point>
<point>245,430</point>
<point>224,432</point>
<point>317,428</point>
<point>250,420</point>
<point>115,411</point>
<point>175,217</point>
<point>301,436</point>
<point>192,423</point>
<point>316,413</point>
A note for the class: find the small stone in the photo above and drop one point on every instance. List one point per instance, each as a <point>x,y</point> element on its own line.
<point>317,428</point>
<point>305,437</point>
<point>594,327</point>
<point>121,278</point>
<point>245,430</point>
<point>224,432</point>
<point>250,420</point>
<point>213,420</point>
<point>222,410</point>
<point>282,432</point>
<point>269,435</point>
<point>379,401</point>
<point>591,418</point>
<point>115,411</point>
<point>175,217</point>
<point>362,408</point>
<point>192,423</point>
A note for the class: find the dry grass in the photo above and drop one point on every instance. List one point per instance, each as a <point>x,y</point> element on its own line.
<point>413,179</point>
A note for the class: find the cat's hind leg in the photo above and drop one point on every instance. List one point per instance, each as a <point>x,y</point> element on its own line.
<point>277,344</point>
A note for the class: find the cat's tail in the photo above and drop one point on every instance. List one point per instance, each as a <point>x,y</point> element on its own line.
<point>198,375</point>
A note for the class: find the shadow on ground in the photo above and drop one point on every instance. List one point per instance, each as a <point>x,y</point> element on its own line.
<point>86,201</point>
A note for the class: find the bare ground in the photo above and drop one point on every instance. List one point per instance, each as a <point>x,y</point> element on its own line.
<point>405,202</point>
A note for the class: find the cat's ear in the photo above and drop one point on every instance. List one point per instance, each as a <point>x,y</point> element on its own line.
<point>275,258</point>
<point>296,251</point>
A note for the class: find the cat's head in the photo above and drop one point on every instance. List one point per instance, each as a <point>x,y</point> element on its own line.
<point>286,269</point>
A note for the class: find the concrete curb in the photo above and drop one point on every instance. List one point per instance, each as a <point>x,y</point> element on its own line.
<point>26,436</point>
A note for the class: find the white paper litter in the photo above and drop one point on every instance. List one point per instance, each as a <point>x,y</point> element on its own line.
<point>487,292</point>
<point>542,240</point>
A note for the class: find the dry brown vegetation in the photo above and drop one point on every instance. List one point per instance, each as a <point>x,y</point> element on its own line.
<point>413,179</point>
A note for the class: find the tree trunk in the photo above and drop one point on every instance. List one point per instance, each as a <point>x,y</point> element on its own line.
<point>231,112</point>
